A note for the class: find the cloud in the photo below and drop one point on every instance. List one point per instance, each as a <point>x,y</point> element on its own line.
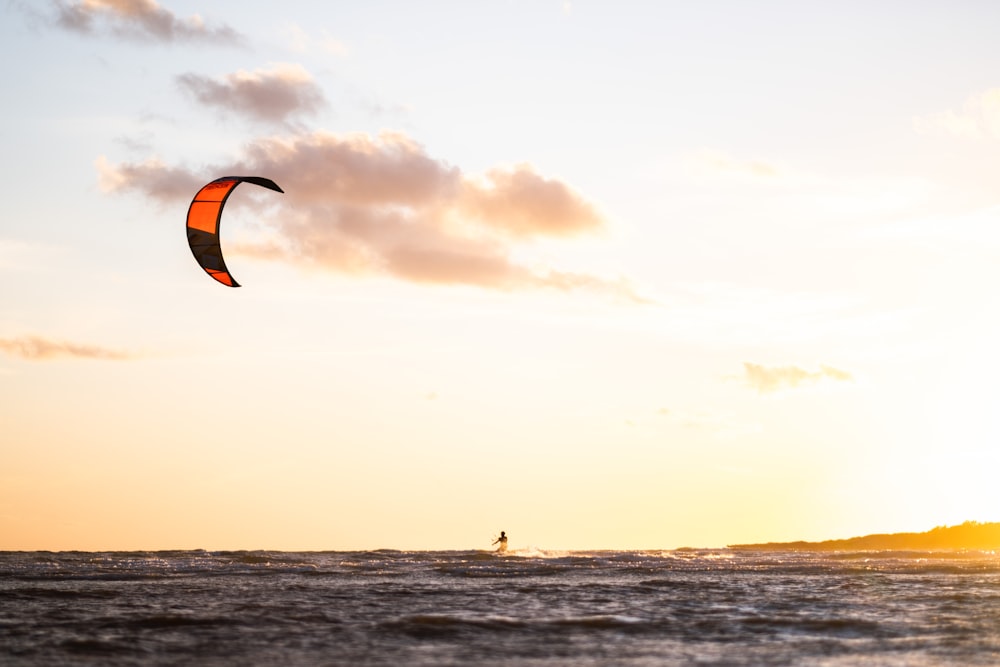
<point>975,230</point>
<point>381,205</point>
<point>36,348</point>
<point>770,379</point>
<point>270,95</point>
<point>162,183</point>
<point>138,19</point>
<point>523,203</point>
<point>22,256</point>
<point>716,161</point>
<point>720,425</point>
<point>978,119</point>
<point>301,41</point>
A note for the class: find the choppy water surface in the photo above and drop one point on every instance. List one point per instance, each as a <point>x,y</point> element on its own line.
<point>475,608</point>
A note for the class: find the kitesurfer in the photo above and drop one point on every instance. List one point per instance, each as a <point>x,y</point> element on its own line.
<point>502,541</point>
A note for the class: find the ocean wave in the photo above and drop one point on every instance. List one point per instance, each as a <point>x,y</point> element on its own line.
<point>472,607</point>
<point>441,625</point>
<point>472,564</point>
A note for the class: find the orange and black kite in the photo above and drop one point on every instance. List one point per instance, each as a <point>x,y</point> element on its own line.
<point>203,218</point>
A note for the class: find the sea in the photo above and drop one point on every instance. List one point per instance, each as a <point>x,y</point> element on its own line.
<point>526,607</point>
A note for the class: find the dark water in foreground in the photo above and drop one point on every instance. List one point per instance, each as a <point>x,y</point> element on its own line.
<point>475,608</point>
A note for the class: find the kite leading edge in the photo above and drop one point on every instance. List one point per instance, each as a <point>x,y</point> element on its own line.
<point>203,219</point>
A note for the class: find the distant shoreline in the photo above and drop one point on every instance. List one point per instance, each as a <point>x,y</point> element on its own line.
<point>969,535</point>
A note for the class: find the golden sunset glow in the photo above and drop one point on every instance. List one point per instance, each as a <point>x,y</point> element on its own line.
<point>613,276</point>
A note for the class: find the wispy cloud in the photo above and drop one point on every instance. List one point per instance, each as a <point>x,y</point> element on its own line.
<point>979,118</point>
<point>720,425</point>
<point>22,256</point>
<point>273,94</point>
<point>974,231</point>
<point>138,19</point>
<point>770,379</point>
<point>363,204</point>
<point>161,183</point>
<point>300,41</point>
<point>720,162</point>
<point>37,348</point>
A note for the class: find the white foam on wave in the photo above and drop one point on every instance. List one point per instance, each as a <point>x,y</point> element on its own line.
<point>535,552</point>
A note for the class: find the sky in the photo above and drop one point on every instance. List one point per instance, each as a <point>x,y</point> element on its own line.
<point>602,275</point>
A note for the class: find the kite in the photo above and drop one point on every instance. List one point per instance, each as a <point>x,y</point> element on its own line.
<point>203,218</point>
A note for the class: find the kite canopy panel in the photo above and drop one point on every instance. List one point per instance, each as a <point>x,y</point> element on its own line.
<point>203,219</point>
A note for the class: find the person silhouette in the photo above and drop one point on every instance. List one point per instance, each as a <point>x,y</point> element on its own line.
<point>502,541</point>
